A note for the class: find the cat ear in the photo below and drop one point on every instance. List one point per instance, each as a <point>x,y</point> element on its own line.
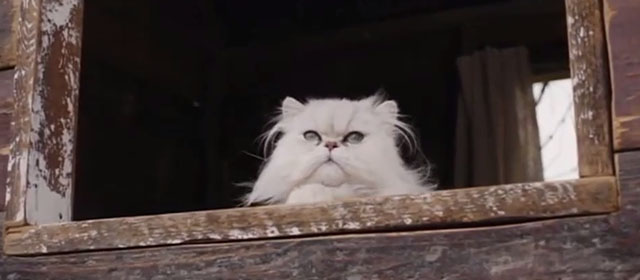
<point>291,107</point>
<point>389,108</point>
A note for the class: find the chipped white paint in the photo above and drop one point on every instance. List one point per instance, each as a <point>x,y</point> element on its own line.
<point>272,231</point>
<point>293,230</point>
<point>213,236</point>
<point>43,248</point>
<point>522,201</point>
<point>51,137</point>
<point>44,206</point>
<point>241,234</point>
<point>352,225</point>
<point>17,165</point>
<point>60,14</point>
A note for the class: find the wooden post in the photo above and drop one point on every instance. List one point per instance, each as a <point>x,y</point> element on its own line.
<point>621,21</point>
<point>47,85</point>
<point>8,28</point>
<point>590,76</point>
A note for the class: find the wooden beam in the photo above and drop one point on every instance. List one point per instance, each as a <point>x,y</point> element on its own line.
<point>591,90</point>
<point>512,203</point>
<point>6,109</point>
<point>8,28</point>
<point>47,85</point>
<point>598,247</point>
<point>622,21</point>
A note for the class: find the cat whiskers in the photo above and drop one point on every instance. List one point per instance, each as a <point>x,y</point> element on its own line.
<point>253,155</point>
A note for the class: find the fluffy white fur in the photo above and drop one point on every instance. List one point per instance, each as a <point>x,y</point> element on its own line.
<point>303,171</point>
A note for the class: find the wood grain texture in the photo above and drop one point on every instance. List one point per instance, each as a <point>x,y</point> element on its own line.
<point>1,233</point>
<point>8,27</point>
<point>599,247</point>
<point>25,72</point>
<point>512,203</point>
<point>47,85</point>
<point>622,21</point>
<point>6,108</point>
<point>591,90</point>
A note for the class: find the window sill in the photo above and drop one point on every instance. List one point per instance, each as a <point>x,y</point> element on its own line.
<point>441,209</point>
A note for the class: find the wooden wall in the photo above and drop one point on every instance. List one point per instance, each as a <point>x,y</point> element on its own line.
<point>598,247</point>
<point>6,107</point>
<point>8,23</point>
<point>623,46</point>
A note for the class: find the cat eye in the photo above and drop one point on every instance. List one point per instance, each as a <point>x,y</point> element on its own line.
<point>354,137</point>
<point>312,136</point>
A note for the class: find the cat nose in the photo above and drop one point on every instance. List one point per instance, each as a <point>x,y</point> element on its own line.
<point>331,145</point>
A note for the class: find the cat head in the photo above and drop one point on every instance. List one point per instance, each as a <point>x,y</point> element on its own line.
<point>334,142</point>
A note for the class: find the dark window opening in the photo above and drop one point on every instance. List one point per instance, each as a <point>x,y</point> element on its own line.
<point>173,96</point>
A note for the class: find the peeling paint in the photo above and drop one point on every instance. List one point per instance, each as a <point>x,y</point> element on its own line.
<point>528,201</point>
<point>293,230</point>
<point>60,14</point>
<point>51,115</point>
<point>272,231</point>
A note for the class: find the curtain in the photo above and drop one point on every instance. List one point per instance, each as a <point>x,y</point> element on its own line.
<point>497,138</point>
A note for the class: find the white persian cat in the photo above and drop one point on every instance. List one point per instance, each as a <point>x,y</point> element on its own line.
<point>333,149</point>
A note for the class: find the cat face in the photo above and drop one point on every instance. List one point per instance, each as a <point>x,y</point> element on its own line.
<point>344,145</point>
<point>337,141</point>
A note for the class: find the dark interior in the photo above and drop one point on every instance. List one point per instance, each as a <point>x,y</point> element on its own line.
<point>174,95</point>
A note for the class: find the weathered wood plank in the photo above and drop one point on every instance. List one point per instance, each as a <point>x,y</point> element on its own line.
<point>599,247</point>
<point>6,90</point>
<point>517,202</point>
<point>6,107</point>
<point>2,232</point>
<point>591,90</point>
<point>622,21</point>
<point>45,114</point>
<point>25,72</point>
<point>8,27</point>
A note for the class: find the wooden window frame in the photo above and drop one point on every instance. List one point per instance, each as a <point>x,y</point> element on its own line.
<point>38,217</point>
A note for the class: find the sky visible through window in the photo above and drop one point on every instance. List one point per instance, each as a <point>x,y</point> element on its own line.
<point>556,123</point>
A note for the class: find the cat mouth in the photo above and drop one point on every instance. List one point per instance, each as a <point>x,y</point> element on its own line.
<point>331,161</point>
